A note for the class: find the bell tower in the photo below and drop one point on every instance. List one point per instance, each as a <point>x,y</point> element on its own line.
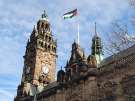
<point>96,50</point>
<point>40,57</point>
<point>45,65</point>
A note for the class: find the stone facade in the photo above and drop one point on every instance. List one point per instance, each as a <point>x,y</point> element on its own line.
<point>39,59</point>
<point>113,79</point>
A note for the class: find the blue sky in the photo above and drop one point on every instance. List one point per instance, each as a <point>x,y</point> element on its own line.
<point>17,18</point>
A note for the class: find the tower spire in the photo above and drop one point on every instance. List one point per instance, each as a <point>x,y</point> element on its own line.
<point>61,67</point>
<point>95,29</point>
<point>34,27</point>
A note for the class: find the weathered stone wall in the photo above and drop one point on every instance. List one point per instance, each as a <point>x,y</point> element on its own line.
<point>84,90</point>
<point>113,81</point>
<point>108,85</point>
<point>43,58</point>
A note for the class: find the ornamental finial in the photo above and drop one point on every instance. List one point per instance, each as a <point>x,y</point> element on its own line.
<point>95,29</point>
<point>44,15</point>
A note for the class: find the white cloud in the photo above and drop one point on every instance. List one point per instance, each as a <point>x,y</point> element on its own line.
<point>6,95</point>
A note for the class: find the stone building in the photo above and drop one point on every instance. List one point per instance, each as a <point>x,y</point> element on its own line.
<point>89,78</point>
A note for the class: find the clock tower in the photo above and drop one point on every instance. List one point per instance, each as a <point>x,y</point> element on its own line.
<point>39,59</point>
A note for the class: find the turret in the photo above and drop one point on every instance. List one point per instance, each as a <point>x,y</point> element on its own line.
<point>77,63</point>
<point>60,76</point>
<point>96,50</point>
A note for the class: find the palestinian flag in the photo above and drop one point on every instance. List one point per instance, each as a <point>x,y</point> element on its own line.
<point>70,14</point>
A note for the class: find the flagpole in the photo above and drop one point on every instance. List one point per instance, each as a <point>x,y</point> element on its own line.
<point>78,35</point>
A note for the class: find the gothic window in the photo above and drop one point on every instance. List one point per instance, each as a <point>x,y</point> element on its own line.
<point>39,43</point>
<point>49,39</point>
<point>45,46</point>
<point>49,47</point>
<point>47,27</point>
<point>42,25</point>
<point>46,37</point>
<point>42,44</point>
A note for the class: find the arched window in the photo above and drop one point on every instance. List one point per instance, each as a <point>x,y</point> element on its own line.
<point>45,46</point>
<point>42,44</point>
<point>49,47</point>
<point>42,25</point>
<point>46,26</point>
<point>49,39</point>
